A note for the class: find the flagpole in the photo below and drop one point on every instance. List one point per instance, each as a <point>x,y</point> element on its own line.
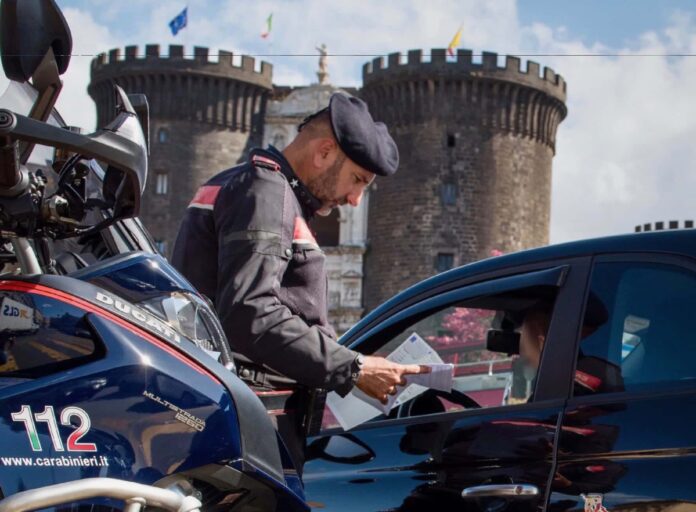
<point>187,41</point>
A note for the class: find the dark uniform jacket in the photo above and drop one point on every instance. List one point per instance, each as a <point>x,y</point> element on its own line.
<point>244,242</point>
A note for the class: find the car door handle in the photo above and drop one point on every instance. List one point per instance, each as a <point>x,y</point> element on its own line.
<point>501,491</point>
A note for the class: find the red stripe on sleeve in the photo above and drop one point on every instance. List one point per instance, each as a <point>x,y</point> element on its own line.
<point>302,232</point>
<point>206,195</point>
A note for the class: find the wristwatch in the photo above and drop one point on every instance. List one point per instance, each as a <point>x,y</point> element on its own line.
<point>356,368</point>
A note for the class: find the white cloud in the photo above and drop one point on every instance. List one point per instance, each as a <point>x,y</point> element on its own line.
<point>89,37</point>
<point>624,154</point>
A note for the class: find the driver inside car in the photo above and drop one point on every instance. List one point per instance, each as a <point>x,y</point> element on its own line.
<point>592,374</point>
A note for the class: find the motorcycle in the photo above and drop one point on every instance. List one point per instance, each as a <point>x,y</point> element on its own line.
<point>118,390</point>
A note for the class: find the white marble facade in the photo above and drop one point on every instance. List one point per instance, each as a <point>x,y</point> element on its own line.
<point>344,261</point>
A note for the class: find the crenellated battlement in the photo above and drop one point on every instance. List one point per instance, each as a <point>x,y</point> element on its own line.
<point>195,88</point>
<point>177,59</point>
<point>507,99</point>
<point>415,65</point>
<point>661,226</point>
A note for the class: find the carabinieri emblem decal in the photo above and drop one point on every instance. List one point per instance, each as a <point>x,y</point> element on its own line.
<point>593,503</point>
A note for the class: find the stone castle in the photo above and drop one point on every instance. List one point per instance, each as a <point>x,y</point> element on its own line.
<point>476,141</point>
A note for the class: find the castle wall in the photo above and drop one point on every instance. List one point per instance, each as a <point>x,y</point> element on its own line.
<point>476,143</point>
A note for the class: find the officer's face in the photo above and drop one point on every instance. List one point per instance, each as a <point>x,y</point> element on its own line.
<point>344,182</point>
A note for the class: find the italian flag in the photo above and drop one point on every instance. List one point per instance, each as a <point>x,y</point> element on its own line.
<point>269,22</point>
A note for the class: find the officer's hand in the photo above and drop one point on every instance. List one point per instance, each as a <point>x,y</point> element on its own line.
<point>380,377</point>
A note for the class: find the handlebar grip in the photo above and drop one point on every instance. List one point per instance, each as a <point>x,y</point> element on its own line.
<point>10,174</point>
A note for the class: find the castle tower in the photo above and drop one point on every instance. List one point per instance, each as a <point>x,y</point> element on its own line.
<point>476,143</point>
<point>204,116</point>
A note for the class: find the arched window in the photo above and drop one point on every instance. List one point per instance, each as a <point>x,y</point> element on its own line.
<point>327,229</point>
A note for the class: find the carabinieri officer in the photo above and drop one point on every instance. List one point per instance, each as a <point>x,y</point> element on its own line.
<point>245,243</point>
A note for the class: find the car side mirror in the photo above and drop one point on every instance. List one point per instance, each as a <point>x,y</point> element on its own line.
<point>341,448</point>
<point>29,29</point>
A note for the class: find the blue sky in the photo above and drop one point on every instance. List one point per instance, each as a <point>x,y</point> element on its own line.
<point>615,23</point>
<point>625,154</point>
<point>371,27</point>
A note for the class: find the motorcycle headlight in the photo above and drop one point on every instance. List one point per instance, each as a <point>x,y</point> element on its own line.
<point>193,318</point>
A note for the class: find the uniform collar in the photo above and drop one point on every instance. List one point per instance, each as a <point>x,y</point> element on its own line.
<point>309,202</point>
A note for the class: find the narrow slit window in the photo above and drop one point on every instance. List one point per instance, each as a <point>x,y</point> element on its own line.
<point>162,184</point>
<point>444,261</point>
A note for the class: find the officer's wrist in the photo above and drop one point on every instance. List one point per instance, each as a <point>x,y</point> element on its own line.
<point>356,368</point>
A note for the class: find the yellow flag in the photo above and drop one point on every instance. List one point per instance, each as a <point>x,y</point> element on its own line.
<point>455,41</point>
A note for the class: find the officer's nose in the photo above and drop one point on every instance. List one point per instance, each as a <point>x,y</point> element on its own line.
<point>354,198</point>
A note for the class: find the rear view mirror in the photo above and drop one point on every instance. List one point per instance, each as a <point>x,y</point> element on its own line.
<point>29,29</point>
<point>506,342</point>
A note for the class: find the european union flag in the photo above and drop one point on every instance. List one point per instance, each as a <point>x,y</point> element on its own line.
<point>179,22</point>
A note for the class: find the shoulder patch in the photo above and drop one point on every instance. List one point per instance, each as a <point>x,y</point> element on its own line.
<point>205,197</point>
<point>266,163</point>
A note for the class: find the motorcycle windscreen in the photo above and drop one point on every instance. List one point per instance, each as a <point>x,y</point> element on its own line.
<point>147,280</point>
<point>120,148</point>
<point>20,98</point>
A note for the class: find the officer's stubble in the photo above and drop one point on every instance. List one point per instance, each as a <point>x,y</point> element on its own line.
<point>325,186</point>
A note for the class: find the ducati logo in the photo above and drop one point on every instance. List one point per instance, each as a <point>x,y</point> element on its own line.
<point>593,503</point>
<point>140,316</point>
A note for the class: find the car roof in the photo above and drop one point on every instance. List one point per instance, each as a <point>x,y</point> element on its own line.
<point>680,241</point>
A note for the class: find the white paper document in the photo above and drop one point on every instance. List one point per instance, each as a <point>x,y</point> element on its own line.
<point>357,407</point>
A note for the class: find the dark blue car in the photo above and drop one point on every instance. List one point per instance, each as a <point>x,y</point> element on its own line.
<point>603,420</point>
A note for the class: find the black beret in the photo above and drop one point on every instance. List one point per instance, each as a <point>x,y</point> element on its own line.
<point>364,141</point>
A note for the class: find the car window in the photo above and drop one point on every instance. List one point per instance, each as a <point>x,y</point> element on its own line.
<point>481,338</point>
<point>638,332</point>
<point>458,335</point>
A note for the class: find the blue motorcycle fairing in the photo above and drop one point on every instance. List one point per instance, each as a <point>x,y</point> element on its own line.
<point>255,427</point>
<point>135,276</point>
<point>258,445</point>
<point>160,417</point>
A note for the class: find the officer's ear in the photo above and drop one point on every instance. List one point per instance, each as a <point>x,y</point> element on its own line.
<point>325,153</point>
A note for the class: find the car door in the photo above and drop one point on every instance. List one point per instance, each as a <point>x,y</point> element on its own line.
<point>629,436</point>
<point>487,445</point>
